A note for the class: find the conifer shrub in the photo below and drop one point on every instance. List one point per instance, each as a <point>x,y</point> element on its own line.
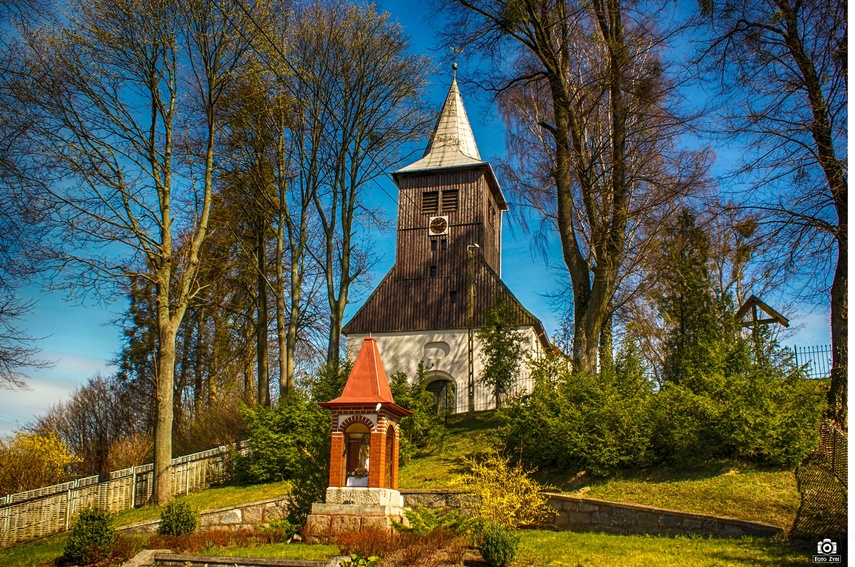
<point>499,545</point>
<point>580,422</point>
<point>423,521</point>
<point>424,431</point>
<point>178,519</point>
<point>288,443</point>
<point>756,412</point>
<point>92,538</point>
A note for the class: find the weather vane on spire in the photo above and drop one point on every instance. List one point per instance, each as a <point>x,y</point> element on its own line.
<point>456,51</point>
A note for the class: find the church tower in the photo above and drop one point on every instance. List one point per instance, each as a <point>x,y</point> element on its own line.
<point>447,265</point>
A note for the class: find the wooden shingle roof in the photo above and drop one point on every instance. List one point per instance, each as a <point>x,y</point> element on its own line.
<point>425,304</point>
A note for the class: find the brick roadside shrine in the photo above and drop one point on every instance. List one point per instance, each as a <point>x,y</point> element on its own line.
<point>363,483</point>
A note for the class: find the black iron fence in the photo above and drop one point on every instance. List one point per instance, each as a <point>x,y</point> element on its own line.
<point>815,359</point>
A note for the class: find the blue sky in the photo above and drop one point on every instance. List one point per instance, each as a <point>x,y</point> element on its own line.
<point>81,339</point>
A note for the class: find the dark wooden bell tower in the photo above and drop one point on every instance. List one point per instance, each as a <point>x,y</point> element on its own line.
<point>447,260</point>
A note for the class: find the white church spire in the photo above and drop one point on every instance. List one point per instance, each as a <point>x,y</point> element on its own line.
<point>452,142</point>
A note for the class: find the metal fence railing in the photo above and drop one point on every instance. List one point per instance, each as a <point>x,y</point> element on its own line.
<point>44,511</point>
<point>822,481</point>
<point>815,359</point>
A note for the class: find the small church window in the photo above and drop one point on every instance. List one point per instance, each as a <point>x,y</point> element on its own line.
<point>454,297</point>
<point>450,200</point>
<point>430,202</point>
<point>443,244</point>
<point>433,245</point>
<point>433,271</point>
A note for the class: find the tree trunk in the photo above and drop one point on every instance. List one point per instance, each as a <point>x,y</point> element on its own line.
<point>334,344</point>
<point>198,374</point>
<point>293,323</point>
<point>285,379</point>
<point>835,176</point>
<point>837,393</point>
<point>607,359</point>
<point>163,424</point>
<point>262,324</point>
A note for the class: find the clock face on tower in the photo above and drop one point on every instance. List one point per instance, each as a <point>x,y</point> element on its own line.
<point>438,226</point>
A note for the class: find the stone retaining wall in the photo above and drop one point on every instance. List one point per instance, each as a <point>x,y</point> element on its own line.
<point>572,513</point>
<point>436,498</point>
<point>247,515</point>
<point>587,514</point>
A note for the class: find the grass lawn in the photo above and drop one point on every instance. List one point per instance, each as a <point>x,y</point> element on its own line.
<point>738,491</point>
<point>467,436</point>
<point>566,549</point>
<point>735,490</point>
<point>279,551</point>
<point>537,548</point>
<point>40,553</point>
<point>210,499</point>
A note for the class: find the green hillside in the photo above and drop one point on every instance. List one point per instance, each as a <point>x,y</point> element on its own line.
<point>723,489</point>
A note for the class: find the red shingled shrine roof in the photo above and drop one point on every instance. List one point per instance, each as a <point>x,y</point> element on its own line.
<point>367,383</point>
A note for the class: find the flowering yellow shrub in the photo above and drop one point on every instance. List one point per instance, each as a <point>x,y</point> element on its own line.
<point>33,460</point>
<point>505,493</point>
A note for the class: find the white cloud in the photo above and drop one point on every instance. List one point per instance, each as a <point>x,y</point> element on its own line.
<point>46,387</point>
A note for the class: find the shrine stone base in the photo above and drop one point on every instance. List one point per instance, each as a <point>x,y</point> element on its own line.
<point>350,510</point>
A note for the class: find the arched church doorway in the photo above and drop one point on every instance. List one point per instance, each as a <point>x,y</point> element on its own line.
<point>444,391</point>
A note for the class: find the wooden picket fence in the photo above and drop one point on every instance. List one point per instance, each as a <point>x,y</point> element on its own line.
<point>34,514</point>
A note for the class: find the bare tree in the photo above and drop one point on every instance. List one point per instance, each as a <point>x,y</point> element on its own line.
<point>124,97</point>
<point>591,115</point>
<point>781,67</point>
<point>95,417</point>
<point>363,103</point>
<point>20,213</point>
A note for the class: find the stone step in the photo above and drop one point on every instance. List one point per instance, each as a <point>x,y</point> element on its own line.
<point>163,558</point>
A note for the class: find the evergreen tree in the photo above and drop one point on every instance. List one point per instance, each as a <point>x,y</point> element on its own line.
<point>698,337</point>
<point>501,349</point>
<point>423,431</point>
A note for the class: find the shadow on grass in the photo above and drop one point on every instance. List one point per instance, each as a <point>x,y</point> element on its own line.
<point>570,481</point>
<point>478,421</point>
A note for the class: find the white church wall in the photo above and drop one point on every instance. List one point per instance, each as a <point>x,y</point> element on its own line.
<point>444,354</point>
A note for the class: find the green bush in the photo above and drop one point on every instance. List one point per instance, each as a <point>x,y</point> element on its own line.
<point>177,519</point>
<point>357,560</point>
<point>422,432</point>
<point>423,521</point>
<point>499,545</point>
<point>92,539</point>
<point>762,413</point>
<point>598,424</point>
<point>292,443</point>
<point>280,530</point>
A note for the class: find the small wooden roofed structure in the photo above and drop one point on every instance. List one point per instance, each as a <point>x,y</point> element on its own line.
<point>752,304</point>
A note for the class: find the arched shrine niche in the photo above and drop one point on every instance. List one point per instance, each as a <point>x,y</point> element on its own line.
<point>357,446</point>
